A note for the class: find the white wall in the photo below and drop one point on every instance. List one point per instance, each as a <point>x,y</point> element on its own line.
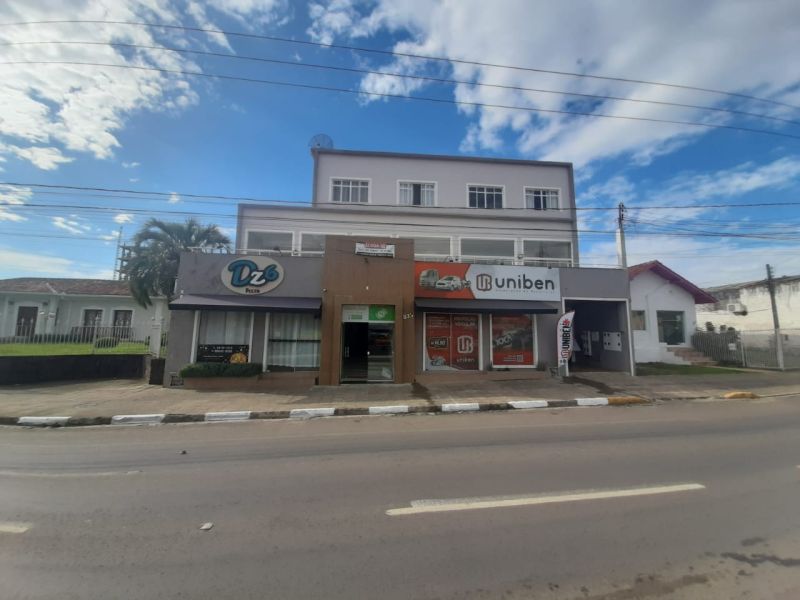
<point>759,309</point>
<point>58,314</point>
<point>651,293</point>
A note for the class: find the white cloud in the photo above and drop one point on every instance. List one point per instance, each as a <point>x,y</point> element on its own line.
<point>738,46</point>
<point>110,236</point>
<point>133,179</point>
<point>123,218</point>
<point>13,195</point>
<point>28,262</point>
<point>73,224</point>
<point>174,198</point>
<point>52,114</point>
<point>617,189</point>
<point>130,165</point>
<point>704,262</point>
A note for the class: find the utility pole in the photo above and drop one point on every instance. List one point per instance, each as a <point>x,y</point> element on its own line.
<point>621,252</point>
<point>775,321</point>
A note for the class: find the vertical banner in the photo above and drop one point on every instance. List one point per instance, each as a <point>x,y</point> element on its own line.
<point>452,342</point>
<point>466,348</point>
<point>512,341</point>
<point>564,341</point>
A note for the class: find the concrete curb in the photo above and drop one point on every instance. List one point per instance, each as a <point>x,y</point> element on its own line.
<point>310,413</point>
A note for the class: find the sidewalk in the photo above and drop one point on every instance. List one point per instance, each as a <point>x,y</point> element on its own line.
<point>121,397</point>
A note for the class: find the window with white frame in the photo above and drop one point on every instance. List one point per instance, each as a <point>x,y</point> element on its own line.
<point>431,246</point>
<point>541,199</point>
<point>546,253</point>
<point>487,248</point>
<point>350,191</point>
<point>416,194</point>
<point>485,196</point>
<point>312,243</point>
<point>280,241</point>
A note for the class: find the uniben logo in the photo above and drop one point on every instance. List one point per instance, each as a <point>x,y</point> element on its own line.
<point>252,276</point>
<point>483,282</point>
<point>465,344</point>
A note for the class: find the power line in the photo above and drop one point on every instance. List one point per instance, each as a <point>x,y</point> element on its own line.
<point>395,53</point>
<point>308,65</point>
<point>190,213</point>
<point>401,96</point>
<point>257,200</point>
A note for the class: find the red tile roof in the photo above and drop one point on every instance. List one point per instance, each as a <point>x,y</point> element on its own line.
<point>700,296</point>
<point>79,287</point>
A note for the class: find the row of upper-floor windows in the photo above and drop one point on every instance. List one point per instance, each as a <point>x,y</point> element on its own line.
<point>527,250</point>
<point>424,193</point>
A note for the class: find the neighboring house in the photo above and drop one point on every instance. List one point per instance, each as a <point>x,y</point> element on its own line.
<point>45,305</point>
<point>663,313</point>
<point>746,306</point>
<point>403,264</point>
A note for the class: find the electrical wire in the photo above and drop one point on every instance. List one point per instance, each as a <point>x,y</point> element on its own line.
<point>392,53</point>
<point>429,99</point>
<point>307,65</point>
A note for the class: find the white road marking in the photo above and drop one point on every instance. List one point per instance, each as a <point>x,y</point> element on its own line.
<point>14,527</point>
<point>432,506</point>
<point>42,421</point>
<point>388,410</point>
<point>231,415</point>
<point>529,403</point>
<point>65,475</point>
<point>307,413</point>
<point>592,401</point>
<point>460,407</point>
<point>137,419</point>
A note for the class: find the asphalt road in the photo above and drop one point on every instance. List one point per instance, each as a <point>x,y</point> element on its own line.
<point>299,509</point>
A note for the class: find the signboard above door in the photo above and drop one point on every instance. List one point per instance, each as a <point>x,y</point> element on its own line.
<point>368,313</point>
<point>375,249</point>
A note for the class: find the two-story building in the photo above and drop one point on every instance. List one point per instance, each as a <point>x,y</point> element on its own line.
<point>404,266</point>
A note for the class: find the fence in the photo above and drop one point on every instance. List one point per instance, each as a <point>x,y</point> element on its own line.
<point>85,339</point>
<point>757,349</point>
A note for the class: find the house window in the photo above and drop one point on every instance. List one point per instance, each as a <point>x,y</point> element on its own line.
<point>123,318</point>
<point>538,199</point>
<point>481,247</point>
<point>350,191</point>
<point>312,243</point>
<point>485,196</point>
<point>92,317</point>
<point>638,321</point>
<point>670,327</point>
<point>547,253</point>
<point>280,241</point>
<point>416,194</point>
<point>431,246</point>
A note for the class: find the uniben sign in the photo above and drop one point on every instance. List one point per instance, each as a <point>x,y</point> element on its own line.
<point>252,275</point>
<point>514,283</point>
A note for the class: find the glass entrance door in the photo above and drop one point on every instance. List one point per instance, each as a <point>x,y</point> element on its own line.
<point>380,354</point>
<point>355,350</point>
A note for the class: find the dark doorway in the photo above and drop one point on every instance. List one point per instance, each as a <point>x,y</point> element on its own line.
<point>26,320</point>
<point>355,345</point>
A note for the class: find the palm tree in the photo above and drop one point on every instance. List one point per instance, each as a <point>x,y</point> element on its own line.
<point>157,246</point>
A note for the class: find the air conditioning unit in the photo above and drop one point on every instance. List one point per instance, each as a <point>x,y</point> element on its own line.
<point>737,308</point>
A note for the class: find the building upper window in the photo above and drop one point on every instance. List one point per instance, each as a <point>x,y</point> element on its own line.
<point>542,251</point>
<point>539,199</point>
<point>485,196</point>
<point>431,246</point>
<point>350,191</point>
<point>312,242</point>
<point>481,247</point>
<point>280,241</point>
<point>416,194</point>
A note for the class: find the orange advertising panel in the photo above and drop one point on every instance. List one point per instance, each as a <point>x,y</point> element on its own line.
<point>442,280</point>
<point>452,342</point>
<point>512,341</point>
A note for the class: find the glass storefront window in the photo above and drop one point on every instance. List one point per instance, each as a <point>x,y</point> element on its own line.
<point>513,341</point>
<point>452,342</point>
<point>223,336</point>
<point>294,342</point>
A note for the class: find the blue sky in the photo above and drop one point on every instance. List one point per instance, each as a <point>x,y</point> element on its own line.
<point>150,131</point>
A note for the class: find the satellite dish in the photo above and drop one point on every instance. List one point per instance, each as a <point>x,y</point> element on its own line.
<point>320,141</point>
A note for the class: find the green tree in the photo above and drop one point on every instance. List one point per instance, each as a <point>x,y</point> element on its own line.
<point>157,246</point>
